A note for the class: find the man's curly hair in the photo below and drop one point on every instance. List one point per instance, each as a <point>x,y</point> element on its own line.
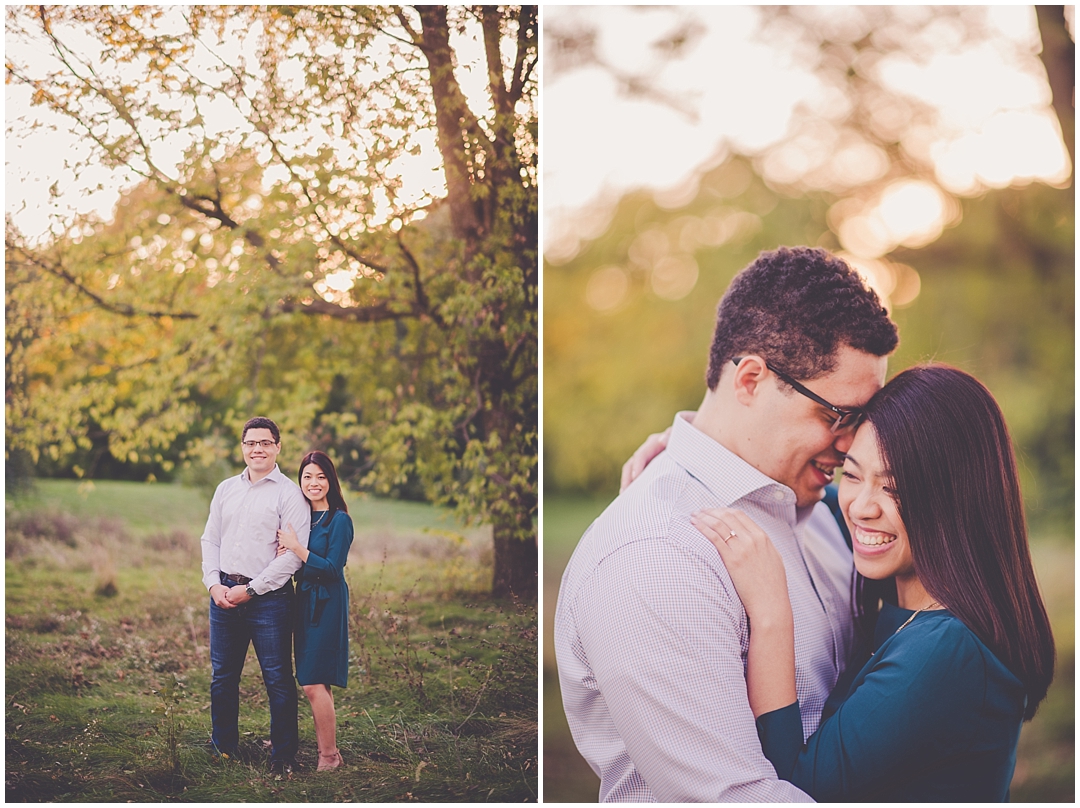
<point>259,422</point>
<point>796,306</point>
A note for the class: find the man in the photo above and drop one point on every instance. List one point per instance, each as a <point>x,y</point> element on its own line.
<point>650,635</point>
<point>251,590</point>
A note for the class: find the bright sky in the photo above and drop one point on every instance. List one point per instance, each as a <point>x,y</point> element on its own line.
<point>35,163</point>
<point>997,125</point>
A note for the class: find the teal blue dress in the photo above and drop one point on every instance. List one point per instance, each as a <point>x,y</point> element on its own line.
<point>321,638</point>
<point>933,716</point>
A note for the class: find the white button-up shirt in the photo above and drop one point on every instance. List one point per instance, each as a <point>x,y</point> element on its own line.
<point>651,637</point>
<point>241,534</point>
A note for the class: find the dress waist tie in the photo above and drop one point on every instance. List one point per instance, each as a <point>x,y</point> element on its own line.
<point>320,596</point>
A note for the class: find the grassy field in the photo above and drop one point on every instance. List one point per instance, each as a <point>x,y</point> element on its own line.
<point>107,668</point>
<point>1045,762</point>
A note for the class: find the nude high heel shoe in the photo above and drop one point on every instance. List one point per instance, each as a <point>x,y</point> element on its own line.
<point>331,761</point>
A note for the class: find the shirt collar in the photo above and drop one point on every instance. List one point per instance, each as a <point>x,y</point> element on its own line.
<point>275,475</point>
<point>722,471</point>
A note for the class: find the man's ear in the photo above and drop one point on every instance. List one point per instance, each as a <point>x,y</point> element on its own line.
<point>749,375</point>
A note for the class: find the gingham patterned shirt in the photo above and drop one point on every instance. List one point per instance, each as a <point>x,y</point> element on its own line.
<point>651,638</point>
<point>240,537</point>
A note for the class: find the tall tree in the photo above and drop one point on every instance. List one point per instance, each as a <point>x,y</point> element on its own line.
<point>284,263</point>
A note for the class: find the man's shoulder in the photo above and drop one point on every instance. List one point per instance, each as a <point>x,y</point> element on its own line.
<point>288,490</point>
<point>279,477</point>
<point>288,484</point>
<point>646,508</point>
<point>646,527</point>
<point>228,483</point>
<point>643,553</point>
<point>658,504</point>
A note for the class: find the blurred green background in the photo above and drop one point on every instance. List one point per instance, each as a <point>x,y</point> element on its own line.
<point>629,308</point>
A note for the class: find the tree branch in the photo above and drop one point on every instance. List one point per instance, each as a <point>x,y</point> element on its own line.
<point>335,239</point>
<point>123,309</point>
<point>414,35</point>
<point>379,312</point>
<point>523,69</point>
<point>422,304</point>
<point>489,19</point>
<point>114,100</point>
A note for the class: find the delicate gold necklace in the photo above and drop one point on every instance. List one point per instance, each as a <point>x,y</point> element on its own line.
<point>913,616</point>
<point>917,611</point>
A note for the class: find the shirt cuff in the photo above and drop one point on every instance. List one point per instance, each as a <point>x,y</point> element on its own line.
<point>781,735</point>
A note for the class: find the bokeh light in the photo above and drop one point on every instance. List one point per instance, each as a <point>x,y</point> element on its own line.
<point>736,84</point>
<point>607,288</point>
<point>674,276</point>
<point>896,284</point>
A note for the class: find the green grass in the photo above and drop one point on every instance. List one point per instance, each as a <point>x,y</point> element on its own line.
<point>144,507</point>
<point>1045,759</point>
<point>441,703</point>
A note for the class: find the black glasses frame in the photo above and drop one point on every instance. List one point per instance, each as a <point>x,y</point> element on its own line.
<point>845,420</point>
<point>251,444</point>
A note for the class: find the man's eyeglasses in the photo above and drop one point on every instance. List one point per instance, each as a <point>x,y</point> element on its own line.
<point>845,419</point>
<point>251,444</point>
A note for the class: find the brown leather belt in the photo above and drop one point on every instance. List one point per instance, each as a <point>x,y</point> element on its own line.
<point>240,579</point>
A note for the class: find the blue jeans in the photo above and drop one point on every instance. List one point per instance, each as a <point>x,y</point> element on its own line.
<point>264,621</point>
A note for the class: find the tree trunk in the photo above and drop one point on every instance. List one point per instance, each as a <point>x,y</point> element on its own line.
<point>1058,57</point>
<point>453,121</point>
<point>515,565</point>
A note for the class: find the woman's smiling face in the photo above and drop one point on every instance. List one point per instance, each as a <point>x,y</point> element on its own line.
<point>314,484</point>
<point>879,538</point>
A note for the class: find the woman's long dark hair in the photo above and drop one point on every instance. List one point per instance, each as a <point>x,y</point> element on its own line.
<point>945,445</point>
<point>333,497</point>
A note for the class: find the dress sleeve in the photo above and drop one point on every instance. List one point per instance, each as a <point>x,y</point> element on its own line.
<point>914,705</point>
<point>332,566</point>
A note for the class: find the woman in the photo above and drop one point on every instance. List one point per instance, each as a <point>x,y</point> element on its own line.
<point>322,599</point>
<point>930,494</point>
